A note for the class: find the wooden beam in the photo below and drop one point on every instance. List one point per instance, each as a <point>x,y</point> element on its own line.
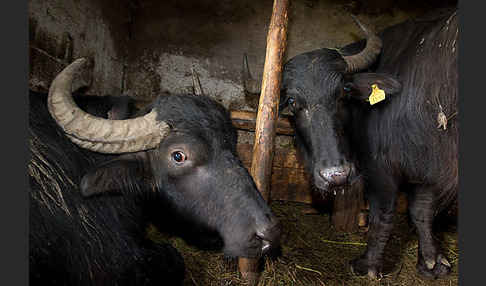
<point>265,127</point>
<point>246,120</point>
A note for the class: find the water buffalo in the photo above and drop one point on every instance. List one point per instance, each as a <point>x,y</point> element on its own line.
<point>96,183</point>
<point>407,142</point>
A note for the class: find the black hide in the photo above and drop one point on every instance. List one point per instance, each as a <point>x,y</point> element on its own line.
<point>89,211</point>
<point>394,145</point>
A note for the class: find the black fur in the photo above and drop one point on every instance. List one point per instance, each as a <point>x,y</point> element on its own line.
<point>395,144</point>
<point>89,211</point>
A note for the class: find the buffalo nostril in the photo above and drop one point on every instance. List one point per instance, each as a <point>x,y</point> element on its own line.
<point>335,175</point>
<point>270,236</point>
<point>265,246</point>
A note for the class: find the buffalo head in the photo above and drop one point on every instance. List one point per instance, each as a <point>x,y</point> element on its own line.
<point>318,88</point>
<point>178,160</point>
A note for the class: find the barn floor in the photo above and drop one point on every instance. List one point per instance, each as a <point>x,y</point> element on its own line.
<point>314,254</point>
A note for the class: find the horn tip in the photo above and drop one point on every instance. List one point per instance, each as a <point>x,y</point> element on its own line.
<point>81,61</point>
<point>365,29</point>
<point>88,62</point>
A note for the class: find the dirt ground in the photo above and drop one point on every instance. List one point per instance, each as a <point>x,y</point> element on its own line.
<point>313,253</point>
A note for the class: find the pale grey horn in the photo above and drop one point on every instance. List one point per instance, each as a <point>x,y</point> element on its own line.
<point>100,134</point>
<point>249,84</point>
<point>196,83</point>
<point>368,55</point>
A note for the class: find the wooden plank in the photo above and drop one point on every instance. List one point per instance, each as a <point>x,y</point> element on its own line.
<point>290,181</point>
<point>246,120</point>
<point>290,184</point>
<point>347,207</point>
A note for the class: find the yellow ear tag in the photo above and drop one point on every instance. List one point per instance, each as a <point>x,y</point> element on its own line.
<point>376,95</point>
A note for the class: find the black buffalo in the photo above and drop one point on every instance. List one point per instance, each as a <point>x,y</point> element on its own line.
<point>408,142</point>
<point>174,166</point>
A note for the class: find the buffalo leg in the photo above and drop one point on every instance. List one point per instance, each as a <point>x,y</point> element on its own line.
<point>431,263</point>
<point>382,196</point>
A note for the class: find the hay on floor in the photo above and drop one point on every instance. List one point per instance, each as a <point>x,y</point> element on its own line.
<point>313,253</point>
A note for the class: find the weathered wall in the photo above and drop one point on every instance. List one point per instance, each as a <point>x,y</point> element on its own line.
<point>170,37</point>
<point>62,30</point>
<point>145,47</point>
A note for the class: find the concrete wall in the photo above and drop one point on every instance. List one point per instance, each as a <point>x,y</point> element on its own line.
<point>170,37</point>
<point>62,30</point>
<point>145,47</point>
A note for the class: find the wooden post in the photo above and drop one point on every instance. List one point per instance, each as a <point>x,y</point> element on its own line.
<point>261,166</point>
<point>267,115</point>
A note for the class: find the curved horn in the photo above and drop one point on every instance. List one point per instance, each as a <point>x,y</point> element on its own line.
<point>99,134</point>
<point>368,55</point>
<point>249,84</point>
<point>196,83</point>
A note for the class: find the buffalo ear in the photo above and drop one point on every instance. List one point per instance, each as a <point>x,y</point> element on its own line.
<point>127,173</point>
<point>360,85</point>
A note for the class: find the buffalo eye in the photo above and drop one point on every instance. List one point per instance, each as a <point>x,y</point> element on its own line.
<point>348,87</point>
<point>291,101</point>
<point>179,156</point>
<point>347,90</point>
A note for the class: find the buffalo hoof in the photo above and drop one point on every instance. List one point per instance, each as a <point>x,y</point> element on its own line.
<point>361,267</point>
<point>433,269</point>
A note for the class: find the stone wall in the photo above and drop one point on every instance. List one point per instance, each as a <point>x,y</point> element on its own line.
<point>145,47</point>
<point>168,38</point>
<point>63,30</point>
